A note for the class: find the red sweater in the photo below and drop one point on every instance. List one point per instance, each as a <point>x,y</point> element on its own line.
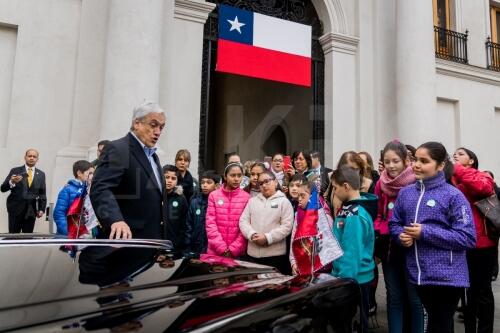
<point>475,185</point>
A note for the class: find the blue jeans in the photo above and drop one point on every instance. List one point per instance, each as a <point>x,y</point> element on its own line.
<point>404,310</point>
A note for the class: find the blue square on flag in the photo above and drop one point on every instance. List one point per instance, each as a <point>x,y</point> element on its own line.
<point>235,25</point>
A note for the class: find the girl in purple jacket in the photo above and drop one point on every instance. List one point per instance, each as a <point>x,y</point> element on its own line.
<point>433,220</point>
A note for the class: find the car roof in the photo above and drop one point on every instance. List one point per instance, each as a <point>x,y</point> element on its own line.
<point>67,278</point>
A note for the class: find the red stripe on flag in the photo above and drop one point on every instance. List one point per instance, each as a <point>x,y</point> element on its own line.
<point>248,60</point>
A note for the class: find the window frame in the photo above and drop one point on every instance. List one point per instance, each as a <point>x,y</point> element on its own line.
<point>494,55</point>
<point>494,10</point>
<point>442,46</point>
<point>448,14</point>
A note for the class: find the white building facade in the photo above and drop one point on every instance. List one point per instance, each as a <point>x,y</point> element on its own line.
<point>71,72</point>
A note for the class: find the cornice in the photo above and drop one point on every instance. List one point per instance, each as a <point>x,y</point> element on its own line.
<point>339,43</point>
<point>194,11</point>
<point>467,72</point>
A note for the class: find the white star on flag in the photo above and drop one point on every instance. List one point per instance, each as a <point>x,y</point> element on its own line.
<point>235,24</point>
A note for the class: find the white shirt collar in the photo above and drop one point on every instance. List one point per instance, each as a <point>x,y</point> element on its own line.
<point>27,167</point>
<point>140,142</point>
<point>147,150</point>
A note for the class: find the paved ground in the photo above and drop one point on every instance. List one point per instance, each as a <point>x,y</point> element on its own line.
<point>459,326</point>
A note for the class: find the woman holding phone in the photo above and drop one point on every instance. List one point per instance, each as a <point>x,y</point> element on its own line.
<point>277,168</point>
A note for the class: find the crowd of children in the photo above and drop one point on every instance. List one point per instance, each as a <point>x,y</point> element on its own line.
<point>414,215</point>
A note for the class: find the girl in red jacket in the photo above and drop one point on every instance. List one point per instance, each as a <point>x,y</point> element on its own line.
<point>225,206</point>
<point>477,185</point>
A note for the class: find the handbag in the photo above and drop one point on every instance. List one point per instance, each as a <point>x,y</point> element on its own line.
<point>490,208</point>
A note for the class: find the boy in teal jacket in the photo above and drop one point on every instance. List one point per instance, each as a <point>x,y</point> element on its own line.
<point>353,228</point>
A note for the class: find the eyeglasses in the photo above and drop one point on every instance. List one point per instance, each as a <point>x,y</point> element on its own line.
<point>265,181</point>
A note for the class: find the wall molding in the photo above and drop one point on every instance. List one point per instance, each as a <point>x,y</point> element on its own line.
<point>339,43</point>
<point>77,152</point>
<point>467,72</point>
<point>193,11</point>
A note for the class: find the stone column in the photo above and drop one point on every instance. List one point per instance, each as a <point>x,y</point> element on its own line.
<point>341,95</point>
<point>415,72</point>
<point>119,55</point>
<point>180,83</point>
<point>87,93</point>
<point>133,58</point>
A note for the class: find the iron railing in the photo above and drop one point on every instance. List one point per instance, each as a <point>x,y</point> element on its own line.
<point>492,55</point>
<point>451,45</point>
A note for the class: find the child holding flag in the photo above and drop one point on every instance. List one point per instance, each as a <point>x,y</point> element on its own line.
<point>75,189</point>
<point>314,246</point>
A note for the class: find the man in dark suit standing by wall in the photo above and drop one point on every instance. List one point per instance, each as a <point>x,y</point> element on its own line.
<point>128,187</point>
<point>27,198</point>
<point>320,171</point>
<point>100,148</point>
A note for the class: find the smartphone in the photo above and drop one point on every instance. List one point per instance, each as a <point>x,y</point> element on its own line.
<point>20,175</point>
<point>287,162</point>
<point>381,155</point>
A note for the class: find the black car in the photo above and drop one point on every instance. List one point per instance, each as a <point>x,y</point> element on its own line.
<point>58,285</point>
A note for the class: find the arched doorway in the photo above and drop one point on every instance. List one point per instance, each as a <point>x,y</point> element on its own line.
<point>275,141</point>
<point>237,111</point>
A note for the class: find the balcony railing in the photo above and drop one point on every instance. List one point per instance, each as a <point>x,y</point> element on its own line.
<point>451,45</point>
<point>492,55</point>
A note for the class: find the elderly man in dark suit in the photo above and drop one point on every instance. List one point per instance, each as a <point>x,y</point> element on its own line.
<point>128,187</point>
<point>27,198</point>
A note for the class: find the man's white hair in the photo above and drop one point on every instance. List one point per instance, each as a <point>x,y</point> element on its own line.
<point>145,108</point>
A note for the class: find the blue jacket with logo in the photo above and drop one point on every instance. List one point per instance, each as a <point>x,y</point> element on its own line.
<point>438,257</point>
<point>196,234</point>
<point>66,196</point>
<point>353,228</point>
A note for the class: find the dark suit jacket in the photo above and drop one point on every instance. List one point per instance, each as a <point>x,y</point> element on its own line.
<point>23,199</point>
<point>325,180</point>
<point>124,188</point>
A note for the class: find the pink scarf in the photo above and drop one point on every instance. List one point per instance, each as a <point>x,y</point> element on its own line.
<point>391,186</point>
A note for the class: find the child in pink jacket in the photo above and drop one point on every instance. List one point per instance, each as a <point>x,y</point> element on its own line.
<point>225,207</point>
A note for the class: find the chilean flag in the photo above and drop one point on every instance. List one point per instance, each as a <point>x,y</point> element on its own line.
<point>265,47</point>
<point>74,216</point>
<point>314,245</point>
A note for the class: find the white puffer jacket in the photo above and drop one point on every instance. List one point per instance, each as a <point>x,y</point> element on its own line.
<point>272,216</point>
